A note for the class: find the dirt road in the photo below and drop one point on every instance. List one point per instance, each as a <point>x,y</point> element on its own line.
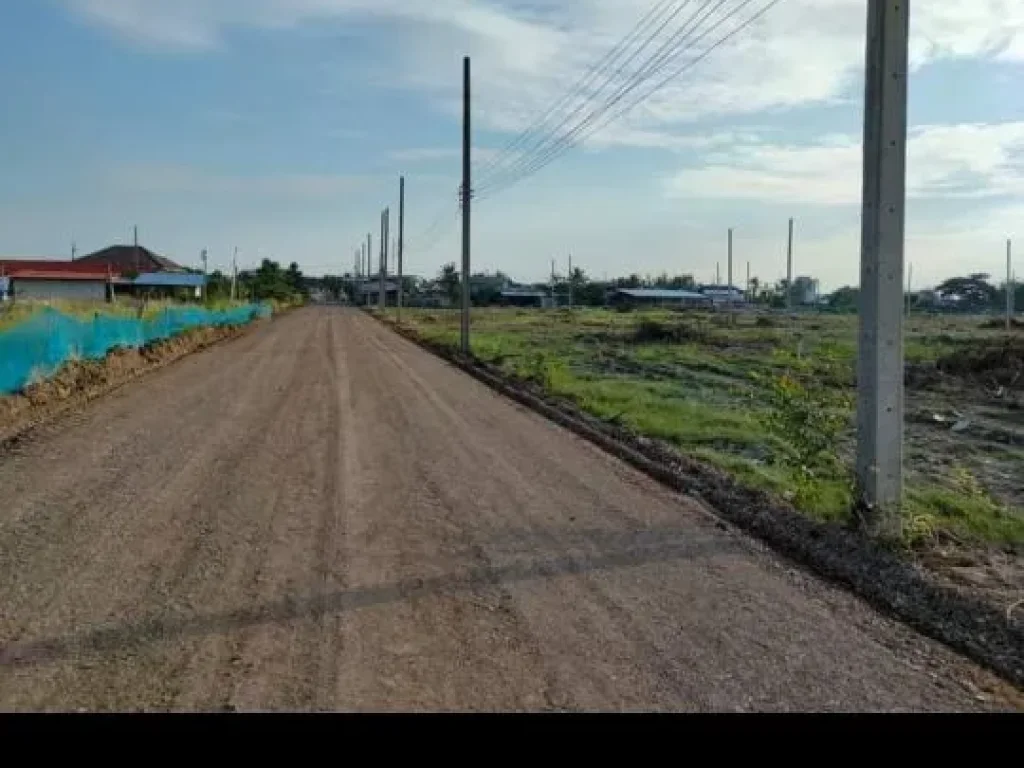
<point>320,515</point>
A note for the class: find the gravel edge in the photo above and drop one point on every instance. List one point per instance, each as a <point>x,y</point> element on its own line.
<point>892,585</point>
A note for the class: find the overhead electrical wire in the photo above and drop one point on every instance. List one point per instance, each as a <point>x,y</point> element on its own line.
<point>512,149</point>
<point>435,231</point>
<point>678,44</point>
<point>619,72</point>
<point>675,45</point>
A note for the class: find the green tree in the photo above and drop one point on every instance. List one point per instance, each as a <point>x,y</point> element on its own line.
<point>218,286</point>
<point>269,282</point>
<point>295,279</point>
<point>450,282</point>
<point>845,299</point>
<point>973,293</point>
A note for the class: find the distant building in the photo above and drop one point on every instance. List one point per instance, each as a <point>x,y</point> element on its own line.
<point>727,295</point>
<point>125,259</point>
<point>53,280</point>
<point>164,285</point>
<point>658,297</point>
<point>806,291</point>
<point>367,291</point>
<point>524,297</point>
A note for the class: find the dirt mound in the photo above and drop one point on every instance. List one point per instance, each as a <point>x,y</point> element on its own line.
<point>1002,363</point>
<point>79,381</point>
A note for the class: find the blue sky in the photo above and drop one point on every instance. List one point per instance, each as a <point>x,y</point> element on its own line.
<point>281,126</point>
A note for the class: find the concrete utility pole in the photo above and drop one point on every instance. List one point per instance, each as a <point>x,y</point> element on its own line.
<point>747,292</point>
<point>467,138</point>
<point>1009,285</point>
<point>401,243</point>
<point>234,274</point>
<point>74,250</point>
<point>718,273</point>
<point>570,281</point>
<point>789,269</point>
<point>382,260</point>
<point>369,265</point>
<point>909,288</point>
<point>203,292</point>
<point>135,240</point>
<point>729,268</point>
<point>880,354</point>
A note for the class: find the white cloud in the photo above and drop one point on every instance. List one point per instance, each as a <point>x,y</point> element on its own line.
<point>967,160</point>
<point>526,54</point>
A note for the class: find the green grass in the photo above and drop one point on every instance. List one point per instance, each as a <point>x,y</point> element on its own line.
<point>710,396</point>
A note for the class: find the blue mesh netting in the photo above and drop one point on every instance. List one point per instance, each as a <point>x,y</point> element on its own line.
<point>42,343</point>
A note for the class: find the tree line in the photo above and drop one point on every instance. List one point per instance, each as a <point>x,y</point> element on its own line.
<point>269,282</point>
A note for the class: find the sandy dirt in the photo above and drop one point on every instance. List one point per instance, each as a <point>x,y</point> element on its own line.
<point>322,516</point>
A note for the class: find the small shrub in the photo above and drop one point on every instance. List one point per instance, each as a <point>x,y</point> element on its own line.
<point>764,321</point>
<point>809,421</point>
<point>656,332</point>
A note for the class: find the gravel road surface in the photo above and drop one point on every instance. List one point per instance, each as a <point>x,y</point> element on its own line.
<point>321,516</point>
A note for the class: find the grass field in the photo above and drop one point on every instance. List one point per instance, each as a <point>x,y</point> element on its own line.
<point>771,398</point>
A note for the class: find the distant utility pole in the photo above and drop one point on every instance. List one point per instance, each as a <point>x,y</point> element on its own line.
<point>1009,285</point>
<point>234,274</point>
<point>382,260</point>
<point>570,281</point>
<point>718,273</point>
<point>203,292</point>
<point>789,268</point>
<point>74,250</point>
<point>747,292</point>
<point>467,189</point>
<point>910,287</point>
<point>880,353</point>
<point>369,264</point>
<point>138,258</point>
<point>401,243</point>
<point>729,263</point>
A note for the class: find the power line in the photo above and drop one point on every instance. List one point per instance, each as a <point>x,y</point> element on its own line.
<point>559,131</point>
<point>586,128</point>
<point>577,89</point>
<point>428,238</point>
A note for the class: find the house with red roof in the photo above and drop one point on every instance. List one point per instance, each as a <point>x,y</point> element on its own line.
<point>51,279</point>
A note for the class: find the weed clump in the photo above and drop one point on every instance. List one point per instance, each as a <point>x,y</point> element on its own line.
<point>656,332</point>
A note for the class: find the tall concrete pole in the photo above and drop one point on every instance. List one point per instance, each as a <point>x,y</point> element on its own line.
<point>203,294</point>
<point>910,287</point>
<point>789,268</point>
<point>138,256</point>
<point>401,243</point>
<point>467,190</point>
<point>729,267</point>
<point>1009,285</point>
<point>570,281</point>
<point>382,260</point>
<point>879,465</point>
<point>748,282</point>
<point>369,264</point>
